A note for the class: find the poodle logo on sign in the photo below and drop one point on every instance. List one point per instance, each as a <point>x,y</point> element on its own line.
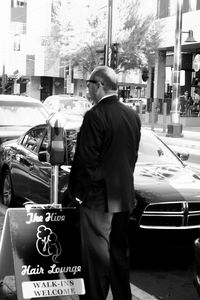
<point>47,243</point>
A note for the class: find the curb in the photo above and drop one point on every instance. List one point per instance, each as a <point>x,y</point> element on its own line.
<point>186,143</point>
<point>190,139</point>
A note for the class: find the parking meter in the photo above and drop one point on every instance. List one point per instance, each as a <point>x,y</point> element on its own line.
<point>56,151</point>
<point>56,138</point>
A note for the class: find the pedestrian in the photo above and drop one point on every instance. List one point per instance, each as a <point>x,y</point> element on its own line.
<point>197,102</point>
<point>102,178</point>
<point>196,96</point>
<point>189,106</point>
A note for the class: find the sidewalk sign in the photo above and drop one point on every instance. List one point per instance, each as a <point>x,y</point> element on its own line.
<point>41,244</point>
<point>42,247</point>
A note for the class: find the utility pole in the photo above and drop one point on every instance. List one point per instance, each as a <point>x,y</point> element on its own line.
<point>3,82</point>
<point>175,128</point>
<point>109,33</point>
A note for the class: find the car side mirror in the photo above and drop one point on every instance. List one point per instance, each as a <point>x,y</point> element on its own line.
<point>183,156</point>
<point>43,156</point>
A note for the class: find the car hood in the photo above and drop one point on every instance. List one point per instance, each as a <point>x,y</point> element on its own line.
<point>11,132</point>
<point>167,183</point>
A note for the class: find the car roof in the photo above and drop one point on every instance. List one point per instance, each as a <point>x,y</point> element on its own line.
<point>18,98</point>
<point>65,96</point>
<point>136,99</point>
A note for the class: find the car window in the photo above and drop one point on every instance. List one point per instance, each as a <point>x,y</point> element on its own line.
<point>44,143</point>
<point>33,139</point>
<point>153,151</point>
<point>71,106</point>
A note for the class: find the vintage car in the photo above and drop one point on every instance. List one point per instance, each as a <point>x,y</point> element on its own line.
<point>71,106</point>
<point>166,190</point>
<point>18,114</point>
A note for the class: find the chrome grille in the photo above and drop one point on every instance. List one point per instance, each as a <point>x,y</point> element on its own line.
<point>168,215</point>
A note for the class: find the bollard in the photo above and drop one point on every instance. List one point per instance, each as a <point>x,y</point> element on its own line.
<point>152,116</point>
<point>164,117</point>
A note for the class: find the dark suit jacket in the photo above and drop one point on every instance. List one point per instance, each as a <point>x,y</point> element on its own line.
<point>105,157</point>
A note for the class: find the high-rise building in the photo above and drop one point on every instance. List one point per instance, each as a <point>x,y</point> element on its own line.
<point>25,28</point>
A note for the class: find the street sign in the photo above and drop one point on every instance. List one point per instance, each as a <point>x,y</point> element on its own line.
<point>42,247</point>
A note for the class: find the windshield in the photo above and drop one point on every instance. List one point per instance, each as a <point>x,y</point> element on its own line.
<point>153,151</point>
<point>69,106</point>
<point>22,114</point>
<point>73,107</point>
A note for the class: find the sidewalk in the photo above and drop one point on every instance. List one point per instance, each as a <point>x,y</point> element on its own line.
<point>190,139</point>
<point>8,292</point>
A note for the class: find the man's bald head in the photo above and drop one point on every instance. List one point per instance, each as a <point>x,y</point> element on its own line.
<point>106,76</point>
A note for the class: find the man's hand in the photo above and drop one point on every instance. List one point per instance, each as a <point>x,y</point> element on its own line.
<point>70,201</point>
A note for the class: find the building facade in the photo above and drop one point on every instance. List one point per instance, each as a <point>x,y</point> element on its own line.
<point>190,64</point>
<point>25,26</point>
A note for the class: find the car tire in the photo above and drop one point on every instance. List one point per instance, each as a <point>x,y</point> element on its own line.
<point>7,189</point>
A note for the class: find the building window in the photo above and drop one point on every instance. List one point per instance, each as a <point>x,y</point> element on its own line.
<point>193,5</point>
<point>16,45</point>
<point>17,28</point>
<point>167,8</point>
<point>30,65</point>
<point>186,6</point>
<point>18,3</point>
<point>163,8</point>
<point>172,8</point>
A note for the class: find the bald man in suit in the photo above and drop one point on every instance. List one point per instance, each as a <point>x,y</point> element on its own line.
<point>102,178</point>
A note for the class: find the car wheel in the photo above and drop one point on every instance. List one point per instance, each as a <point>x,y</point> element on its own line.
<point>7,189</point>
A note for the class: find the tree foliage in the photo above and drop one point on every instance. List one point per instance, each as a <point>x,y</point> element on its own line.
<point>86,55</point>
<point>138,36</point>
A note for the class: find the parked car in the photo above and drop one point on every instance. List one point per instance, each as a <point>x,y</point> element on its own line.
<point>74,107</point>
<point>167,191</point>
<point>196,279</point>
<point>23,176</point>
<point>19,113</point>
<point>138,104</point>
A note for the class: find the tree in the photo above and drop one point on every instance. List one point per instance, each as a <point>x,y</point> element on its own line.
<point>139,37</point>
<point>68,41</point>
<point>94,38</point>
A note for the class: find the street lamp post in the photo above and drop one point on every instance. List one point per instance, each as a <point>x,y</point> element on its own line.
<point>175,128</point>
<point>109,33</point>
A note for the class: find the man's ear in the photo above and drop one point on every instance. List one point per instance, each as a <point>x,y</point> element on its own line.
<point>98,84</point>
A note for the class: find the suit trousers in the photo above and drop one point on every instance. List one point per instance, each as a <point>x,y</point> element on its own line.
<point>105,254</point>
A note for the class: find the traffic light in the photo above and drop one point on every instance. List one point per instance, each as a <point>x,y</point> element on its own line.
<point>66,70</point>
<point>114,55</point>
<point>145,74</point>
<point>101,52</point>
